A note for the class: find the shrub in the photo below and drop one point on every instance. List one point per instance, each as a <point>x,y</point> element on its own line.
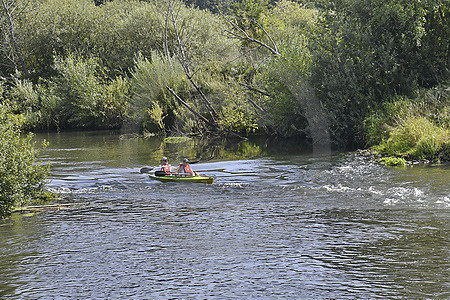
<point>26,99</point>
<point>236,113</point>
<point>21,180</point>
<point>151,104</point>
<point>416,138</point>
<point>367,52</point>
<point>391,161</point>
<point>115,101</point>
<point>81,97</point>
<point>416,128</point>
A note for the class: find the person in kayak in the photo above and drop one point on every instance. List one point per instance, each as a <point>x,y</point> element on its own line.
<point>165,167</point>
<point>185,169</point>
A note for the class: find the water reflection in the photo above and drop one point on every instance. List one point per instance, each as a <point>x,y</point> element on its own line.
<point>123,149</point>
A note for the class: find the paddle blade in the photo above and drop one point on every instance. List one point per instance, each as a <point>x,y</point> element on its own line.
<point>146,169</point>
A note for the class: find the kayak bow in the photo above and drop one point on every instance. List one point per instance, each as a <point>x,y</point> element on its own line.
<point>173,178</point>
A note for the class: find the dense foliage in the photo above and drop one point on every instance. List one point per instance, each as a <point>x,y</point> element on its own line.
<point>21,180</point>
<point>353,72</point>
<point>323,69</point>
<point>371,51</point>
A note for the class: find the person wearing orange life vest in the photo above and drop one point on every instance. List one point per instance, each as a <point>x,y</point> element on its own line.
<point>185,169</point>
<point>165,167</point>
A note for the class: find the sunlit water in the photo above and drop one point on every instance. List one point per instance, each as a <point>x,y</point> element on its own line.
<point>278,223</point>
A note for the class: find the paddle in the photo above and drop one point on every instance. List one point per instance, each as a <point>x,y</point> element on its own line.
<point>146,169</point>
<point>149,169</point>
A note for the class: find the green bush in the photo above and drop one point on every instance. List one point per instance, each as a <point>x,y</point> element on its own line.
<point>21,179</point>
<point>416,138</point>
<point>236,113</point>
<point>377,126</point>
<point>115,102</point>
<point>28,100</point>
<point>57,27</point>
<point>152,105</point>
<point>367,52</point>
<point>80,96</point>
<point>416,128</point>
<point>391,161</point>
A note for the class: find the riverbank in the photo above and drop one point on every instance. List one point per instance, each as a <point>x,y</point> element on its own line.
<point>294,70</point>
<point>409,131</point>
<point>394,161</point>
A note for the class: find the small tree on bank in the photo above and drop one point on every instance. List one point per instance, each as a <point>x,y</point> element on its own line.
<point>21,179</point>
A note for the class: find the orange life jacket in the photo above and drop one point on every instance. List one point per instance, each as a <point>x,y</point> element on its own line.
<point>187,169</point>
<point>165,168</point>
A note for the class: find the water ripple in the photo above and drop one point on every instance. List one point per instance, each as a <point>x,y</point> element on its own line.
<point>301,227</point>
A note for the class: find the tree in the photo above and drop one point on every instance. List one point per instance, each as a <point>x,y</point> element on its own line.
<point>183,58</point>
<point>212,5</point>
<point>293,105</point>
<point>189,60</point>
<point>21,179</point>
<point>367,52</point>
<point>9,12</point>
<point>84,97</point>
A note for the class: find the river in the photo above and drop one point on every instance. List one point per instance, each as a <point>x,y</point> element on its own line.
<point>279,222</point>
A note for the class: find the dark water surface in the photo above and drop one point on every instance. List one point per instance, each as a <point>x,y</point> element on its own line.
<point>278,223</point>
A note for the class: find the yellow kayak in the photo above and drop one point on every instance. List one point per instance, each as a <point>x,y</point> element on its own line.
<point>174,178</point>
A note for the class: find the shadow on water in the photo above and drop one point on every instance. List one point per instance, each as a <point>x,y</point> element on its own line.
<point>254,147</point>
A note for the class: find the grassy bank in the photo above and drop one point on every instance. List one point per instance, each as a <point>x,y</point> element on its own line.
<point>417,129</point>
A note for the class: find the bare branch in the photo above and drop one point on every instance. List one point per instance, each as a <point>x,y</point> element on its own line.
<point>197,114</point>
<point>182,57</point>
<point>11,37</point>
<point>255,89</point>
<point>243,35</point>
<point>253,102</point>
<point>213,125</point>
<point>269,37</point>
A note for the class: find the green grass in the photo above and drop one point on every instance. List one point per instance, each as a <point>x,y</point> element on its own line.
<point>412,129</point>
<point>417,137</point>
<point>391,161</point>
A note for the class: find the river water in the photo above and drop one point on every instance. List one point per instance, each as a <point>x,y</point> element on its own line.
<point>279,222</point>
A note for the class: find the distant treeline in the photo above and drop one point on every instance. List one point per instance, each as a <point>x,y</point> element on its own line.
<point>321,69</point>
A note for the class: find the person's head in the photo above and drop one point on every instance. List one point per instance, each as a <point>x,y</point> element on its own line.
<point>164,160</point>
<point>185,161</point>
